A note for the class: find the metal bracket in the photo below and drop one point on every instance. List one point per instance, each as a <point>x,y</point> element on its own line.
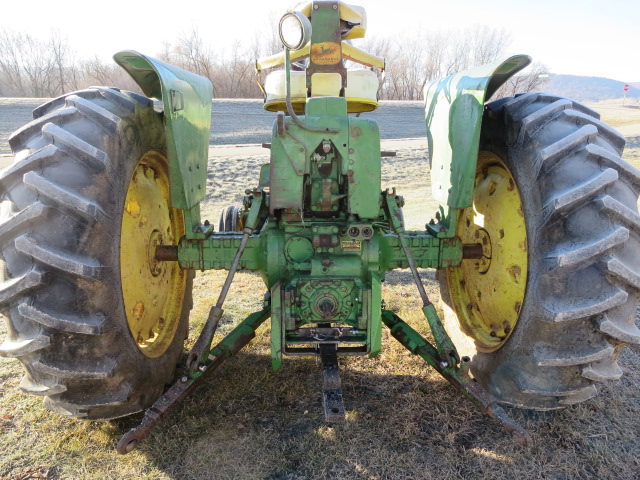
<point>392,205</point>
<point>332,400</point>
<point>200,350</point>
<point>458,377</point>
<point>228,346</point>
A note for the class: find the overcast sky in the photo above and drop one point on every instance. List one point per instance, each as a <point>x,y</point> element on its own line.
<point>579,37</point>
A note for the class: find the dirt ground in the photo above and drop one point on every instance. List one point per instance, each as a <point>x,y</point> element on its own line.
<point>403,421</point>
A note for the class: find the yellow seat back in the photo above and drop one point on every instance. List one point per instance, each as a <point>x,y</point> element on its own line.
<point>361,91</point>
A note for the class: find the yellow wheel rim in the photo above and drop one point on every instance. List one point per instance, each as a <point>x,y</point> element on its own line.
<point>487,294</point>
<point>153,291</point>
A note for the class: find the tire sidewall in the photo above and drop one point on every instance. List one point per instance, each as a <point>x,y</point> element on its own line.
<point>138,134</point>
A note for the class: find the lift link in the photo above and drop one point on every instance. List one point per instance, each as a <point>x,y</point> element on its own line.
<point>200,350</point>
<point>392,205</point>
<point>228,346</point>
<point>458,377</point>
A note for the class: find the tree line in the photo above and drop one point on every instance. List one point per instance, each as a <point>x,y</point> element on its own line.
<point>30,67</point>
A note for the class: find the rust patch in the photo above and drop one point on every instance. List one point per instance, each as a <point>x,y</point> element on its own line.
<point>523,245</point>
<point>325,240</point>
<point>138,310</point>
<point>350,176</point>
<point>515,272</point>
<point>355,132</point>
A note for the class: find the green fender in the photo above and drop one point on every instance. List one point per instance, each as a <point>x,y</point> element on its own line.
<point>187,119</point>
<point>453,112</point>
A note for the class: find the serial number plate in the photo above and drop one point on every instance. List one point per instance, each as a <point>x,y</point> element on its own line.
<point>351,245</point>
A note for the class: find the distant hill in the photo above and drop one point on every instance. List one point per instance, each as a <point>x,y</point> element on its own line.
<point>588,89</point>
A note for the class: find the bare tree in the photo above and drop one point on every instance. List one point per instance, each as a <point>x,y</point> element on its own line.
<point>62,65</point>
<point>265,40</point>
<point>382,47</point>
<point>232,74</point>
<point>487,43</point>
<point>13,81</point>
<point>412,61</point>
<point>166,53</point>
<point>29,67</point>
<point>193,54</point>
<point>458,51</point>
<point>25,64</point>
<point>531,79</point>
<point>234,77</point>
<point>435,45</point>
<point>97,72</point>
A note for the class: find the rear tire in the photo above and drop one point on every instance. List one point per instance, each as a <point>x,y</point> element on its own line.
<point>579,203</point>
<point>61,237</point>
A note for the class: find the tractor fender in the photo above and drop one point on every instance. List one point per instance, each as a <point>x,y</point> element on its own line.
<point>187,121</point>
<point>453,113</point>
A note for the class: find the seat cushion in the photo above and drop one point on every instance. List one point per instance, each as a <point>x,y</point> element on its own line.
<point>361,92</point>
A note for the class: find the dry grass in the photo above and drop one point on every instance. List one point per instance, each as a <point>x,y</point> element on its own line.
<point>617,116</point>
<point>403,420</point>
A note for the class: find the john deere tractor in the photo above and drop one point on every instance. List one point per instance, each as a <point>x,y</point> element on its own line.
<point>536,242</point>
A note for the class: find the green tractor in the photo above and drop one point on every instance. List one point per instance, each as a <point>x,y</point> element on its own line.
<point>536,241</point>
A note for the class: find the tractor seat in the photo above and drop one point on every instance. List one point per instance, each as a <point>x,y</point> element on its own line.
<point>361,91</point>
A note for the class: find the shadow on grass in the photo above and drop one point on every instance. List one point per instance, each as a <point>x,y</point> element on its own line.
<point>247,422</point>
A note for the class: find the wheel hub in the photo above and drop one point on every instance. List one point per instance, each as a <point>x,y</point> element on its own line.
<point>153,291</point>
<point>482,237</point>
<point>488,292</point>
<point>155,266</point>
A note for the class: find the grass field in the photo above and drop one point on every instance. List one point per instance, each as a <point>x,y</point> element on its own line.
<point>403,420</point>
